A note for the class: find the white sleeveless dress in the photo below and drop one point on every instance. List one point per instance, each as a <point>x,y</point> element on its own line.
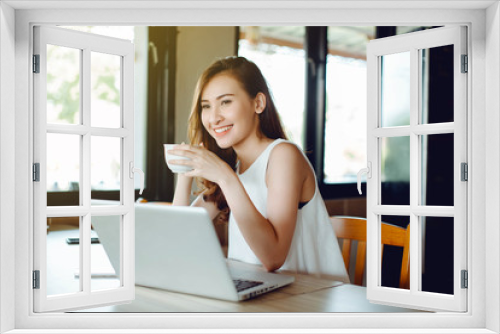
<point>314,248</point>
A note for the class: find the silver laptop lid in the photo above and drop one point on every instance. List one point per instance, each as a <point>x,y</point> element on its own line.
<point>188,258</point>
<point>177,249</point>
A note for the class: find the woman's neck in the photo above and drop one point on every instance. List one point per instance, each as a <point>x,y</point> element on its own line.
<point>250,150</point>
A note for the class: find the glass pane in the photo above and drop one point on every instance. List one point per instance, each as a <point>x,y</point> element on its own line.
<point>436,235</point>
<point>105,158</point>
<point>63,85</point>
<point>392,243</point>
<point>63,169</point>
<point>345,123</point>
<point>279,53</point>
<point>395,170</point>
<point>105,90</point>
<point>437,85</point>
<point>105,255</point>
<point>437,169</point>
<point>395,85</point>
<point>63,255</point>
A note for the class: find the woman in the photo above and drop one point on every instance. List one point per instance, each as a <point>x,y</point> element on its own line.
<point>249,170</point>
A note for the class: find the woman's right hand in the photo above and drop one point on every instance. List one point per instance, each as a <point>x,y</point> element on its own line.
<point>204,163</point>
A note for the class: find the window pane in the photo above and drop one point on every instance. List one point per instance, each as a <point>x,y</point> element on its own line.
<point>345,124</point>
<point>63,169</point>
<point>105,163</point>
<point>105,90</point>
<point>437,175</point>
<point>437,85</point>
<point>138,35</point>
<point>395,170</point>
<point>278,52</point>
<point>395,99</point>
<point>105,255</point>
<point>392,244</point>
<point>436,235</point>
<point>63,258</point>
<point>63,85</point>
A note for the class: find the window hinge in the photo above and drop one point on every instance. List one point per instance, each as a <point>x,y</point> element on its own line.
<point>36,279</point>
<point>36,63</point>
<point>465,63</point>
<point>36,172</point>
<point>464,171</point>
<point>465,279</point>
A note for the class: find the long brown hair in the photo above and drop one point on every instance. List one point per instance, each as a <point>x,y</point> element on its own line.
<point>253,82</point>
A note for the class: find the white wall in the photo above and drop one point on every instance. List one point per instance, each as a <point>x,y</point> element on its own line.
<point>492,162</point>
<point>197,48</point>
<point>7,159</point>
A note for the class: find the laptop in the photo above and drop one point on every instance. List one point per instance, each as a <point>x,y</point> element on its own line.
<point>177,249</point>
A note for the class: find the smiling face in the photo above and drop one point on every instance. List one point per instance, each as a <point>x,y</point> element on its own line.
<point>228,113</point>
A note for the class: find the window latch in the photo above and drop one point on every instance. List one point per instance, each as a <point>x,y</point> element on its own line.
<point>367,171</point>
<point>133,170</point>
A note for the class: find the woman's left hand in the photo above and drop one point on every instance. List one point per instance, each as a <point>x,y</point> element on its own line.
<point>205,163</point>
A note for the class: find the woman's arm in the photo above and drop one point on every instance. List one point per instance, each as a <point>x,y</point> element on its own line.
<point>182,194</point>
<point>269,238</point>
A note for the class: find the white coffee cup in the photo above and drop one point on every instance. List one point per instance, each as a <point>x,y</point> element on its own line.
<point>168,156</point>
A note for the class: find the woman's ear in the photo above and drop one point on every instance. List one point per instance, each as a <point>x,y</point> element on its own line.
<point>260,103</point>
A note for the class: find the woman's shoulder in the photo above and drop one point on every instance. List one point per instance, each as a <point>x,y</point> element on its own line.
<point>288,164</point>
<point>286,152</point>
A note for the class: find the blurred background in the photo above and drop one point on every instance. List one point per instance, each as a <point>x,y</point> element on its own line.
<point>317,76</point>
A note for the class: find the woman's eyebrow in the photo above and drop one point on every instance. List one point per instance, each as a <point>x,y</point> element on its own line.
<point>219,97</point>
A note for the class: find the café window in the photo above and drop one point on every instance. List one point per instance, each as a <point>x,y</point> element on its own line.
<point>279,53</point>
<point>337,145</point>
<point>345,116</point>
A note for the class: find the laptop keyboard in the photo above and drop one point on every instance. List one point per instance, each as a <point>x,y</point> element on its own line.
<point>244,284</point>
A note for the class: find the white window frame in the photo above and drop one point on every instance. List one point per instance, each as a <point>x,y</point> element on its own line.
<point>483,123</point>
<point>412,44</point>
<point>86,44</point>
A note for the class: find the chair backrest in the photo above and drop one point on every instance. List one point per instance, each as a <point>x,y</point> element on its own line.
<point>354,228</point>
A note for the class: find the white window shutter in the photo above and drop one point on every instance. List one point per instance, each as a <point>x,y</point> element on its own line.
<point>50,293</point>
<point>411,46</point>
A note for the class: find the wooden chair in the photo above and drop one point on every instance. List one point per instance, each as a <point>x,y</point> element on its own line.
<point>353,228</point>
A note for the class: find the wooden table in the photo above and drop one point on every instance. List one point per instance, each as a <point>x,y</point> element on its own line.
<point>307,294</point>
